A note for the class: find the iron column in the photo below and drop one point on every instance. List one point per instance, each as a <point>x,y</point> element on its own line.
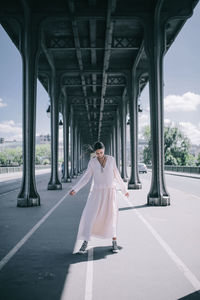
<point>133,84</point>
<point>30,35</point>
<point>54,183</point>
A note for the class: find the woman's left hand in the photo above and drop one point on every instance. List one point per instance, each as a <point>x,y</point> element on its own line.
<point>127,194</point>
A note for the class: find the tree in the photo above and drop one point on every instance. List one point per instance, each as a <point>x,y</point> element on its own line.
<point>148,148</point>
<point>43,153</point>
<point>198,160</point>
<point>176,147</point>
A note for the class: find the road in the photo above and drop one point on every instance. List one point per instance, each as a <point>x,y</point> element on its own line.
<point>159,255</point>
<point>11,182</point>
<point>184,184</point>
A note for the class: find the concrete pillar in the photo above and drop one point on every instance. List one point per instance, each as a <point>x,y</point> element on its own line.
<point>30,36</point>
<point>133,85</point>
<point>54,183</point>
<point>155,49</point>
<point>66,176</point>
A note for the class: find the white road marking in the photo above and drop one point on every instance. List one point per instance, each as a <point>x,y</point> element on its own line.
<point>9,192</point>
<point>192,195</point>
<point>72,269</point>
<point>89,276</point>
<point>12,252</point>
<point>179,263</point>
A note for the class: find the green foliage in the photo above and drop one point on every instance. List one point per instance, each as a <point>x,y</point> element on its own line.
<point>43,151</point>
<point>176,147</point>
<point>147,149</point>
<point>198,160</point>
<point>13,156</point>
<point>46,162</point>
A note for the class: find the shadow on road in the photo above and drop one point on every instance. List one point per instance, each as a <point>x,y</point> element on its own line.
<point>133,207</point>
<point>193,296</point>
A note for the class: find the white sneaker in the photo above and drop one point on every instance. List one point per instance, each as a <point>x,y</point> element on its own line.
<point>83,248</point>
<point>115,248</point>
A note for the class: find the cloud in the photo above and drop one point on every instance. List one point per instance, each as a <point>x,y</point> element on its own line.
<point>143,120</point>
<point>191,131</point>
<point>187,102</point>
<point>10,131</point>
<point>2,104</point>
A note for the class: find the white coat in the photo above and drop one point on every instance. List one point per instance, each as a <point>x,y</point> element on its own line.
<point>99,217</point>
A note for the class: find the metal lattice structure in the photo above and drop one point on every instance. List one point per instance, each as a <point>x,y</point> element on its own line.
<point>94,58</point>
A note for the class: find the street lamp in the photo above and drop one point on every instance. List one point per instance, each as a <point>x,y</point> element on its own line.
<point>60,120</point>
<point>48,111</point>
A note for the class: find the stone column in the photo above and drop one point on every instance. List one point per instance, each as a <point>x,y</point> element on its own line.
<point>66,175</point>
<point>30,37</point>
<point>133,85</point>
<point>54,183</point>
<point>155,49</point>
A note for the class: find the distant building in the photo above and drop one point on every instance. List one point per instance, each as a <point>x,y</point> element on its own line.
<point>43,139</point>
<point>10,144</point>
<point>2,140</point>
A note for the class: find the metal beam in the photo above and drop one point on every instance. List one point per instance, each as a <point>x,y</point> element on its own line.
<point>108,41</point>
<point>79,55</point>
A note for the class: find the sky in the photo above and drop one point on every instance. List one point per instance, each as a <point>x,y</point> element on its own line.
<point>181,87</point>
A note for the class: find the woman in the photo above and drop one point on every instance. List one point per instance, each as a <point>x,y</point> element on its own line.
<point>99,217</point>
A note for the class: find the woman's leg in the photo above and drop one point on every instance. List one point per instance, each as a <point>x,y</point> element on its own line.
<point>115,248</point>
<point>83,248</point>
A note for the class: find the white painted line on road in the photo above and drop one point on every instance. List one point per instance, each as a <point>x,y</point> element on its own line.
<point>192,195</point>
<point>179,263</point>
<point>12,252</point>
<point>9,192</point>
<point>89,276</point>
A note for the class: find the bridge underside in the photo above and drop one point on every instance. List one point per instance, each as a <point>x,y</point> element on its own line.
<point>93,58</point>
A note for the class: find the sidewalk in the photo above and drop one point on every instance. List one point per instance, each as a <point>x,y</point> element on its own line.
<point>159,257</point>
<point>16,175</point>
<point>190,175</point>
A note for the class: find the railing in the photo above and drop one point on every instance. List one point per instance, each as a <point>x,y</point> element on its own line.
<point>183,169</point>
<point>4,170</point>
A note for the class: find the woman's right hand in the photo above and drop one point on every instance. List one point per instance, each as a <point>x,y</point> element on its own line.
<point>72,192</point>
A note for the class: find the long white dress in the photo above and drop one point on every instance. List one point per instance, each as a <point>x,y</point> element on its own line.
<point>99,217</point>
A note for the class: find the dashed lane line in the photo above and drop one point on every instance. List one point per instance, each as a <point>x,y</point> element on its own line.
<point>4,194</point>
<point>89,276</point>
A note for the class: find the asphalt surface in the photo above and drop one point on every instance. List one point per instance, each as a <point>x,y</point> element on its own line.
<point>159,256</point>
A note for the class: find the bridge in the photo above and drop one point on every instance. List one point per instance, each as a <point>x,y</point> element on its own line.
<point>93,58</point>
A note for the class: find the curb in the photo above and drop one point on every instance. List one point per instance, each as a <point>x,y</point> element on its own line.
<point>181,175</point>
